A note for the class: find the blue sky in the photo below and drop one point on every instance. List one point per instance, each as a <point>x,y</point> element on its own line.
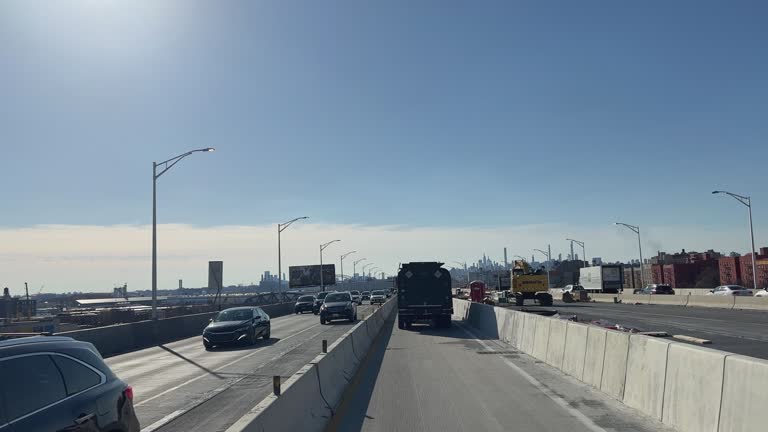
<point>421,114</point>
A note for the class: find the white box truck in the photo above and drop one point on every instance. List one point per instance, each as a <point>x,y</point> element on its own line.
<point>602,279</point>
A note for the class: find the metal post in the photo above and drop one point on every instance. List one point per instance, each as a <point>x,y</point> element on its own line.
<point>325,346</point>
<point>154,240</point>
<point>322,287</point>
<point>640,247</point>
<point>276,384</point>
<point>752,235</point>
<point>342,268</point>
<point>279,262</point>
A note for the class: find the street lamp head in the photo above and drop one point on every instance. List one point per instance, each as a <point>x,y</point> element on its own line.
<point>209,149</point>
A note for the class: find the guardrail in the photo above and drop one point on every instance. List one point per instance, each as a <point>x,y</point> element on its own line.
<point>690,388</point>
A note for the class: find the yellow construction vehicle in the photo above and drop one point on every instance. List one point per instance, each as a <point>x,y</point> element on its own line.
<point>530,284</point>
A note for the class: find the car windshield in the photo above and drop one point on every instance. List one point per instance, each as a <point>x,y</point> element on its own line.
<point>379,293</point>
<point>234,315</point>
<point>322,295</point>
<point>306,298</point>
<point>337,297</point>
<point>355,292</point>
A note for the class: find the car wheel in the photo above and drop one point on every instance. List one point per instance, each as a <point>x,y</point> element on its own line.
<point>267,334</point>
<point>400,324</point>
<point>207,346</point>
<point>322,321</point>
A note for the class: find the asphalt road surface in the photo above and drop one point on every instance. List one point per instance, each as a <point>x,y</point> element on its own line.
<point>182,387</point>
<point>737,331</point>
<point>446,380</point>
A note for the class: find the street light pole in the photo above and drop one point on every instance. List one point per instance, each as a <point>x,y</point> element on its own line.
<point>354,265</point>
<point>280,228</point>
<point>364,266</point>
<point>168,164</point>
<point>549,259</point>
<point>747,201</point>
<point>322,248</point>
<point>636,230</point>
<point>342,263</point>
<point>583,251</point>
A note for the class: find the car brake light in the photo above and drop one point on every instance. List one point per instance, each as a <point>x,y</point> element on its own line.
<point>128,392</point>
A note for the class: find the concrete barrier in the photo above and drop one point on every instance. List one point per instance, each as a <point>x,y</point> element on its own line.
<point>541,338</point>
<point>575,350</point>
<point>646,371</point>
<point>556,345</point>
<point>529,333</point>
<point>277,413</point>
<point>692,392</point>
<point>594,359</point>
<point>319,386</point>
<point>757,303</point>
<point>745,382</point>
<point>483,317</point>
<point>712,301</point>
<point>615,364</point>
<point>505,323</point>
<point>460,308</point>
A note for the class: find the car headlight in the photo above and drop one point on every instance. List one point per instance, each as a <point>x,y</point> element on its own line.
<point>322,307</point>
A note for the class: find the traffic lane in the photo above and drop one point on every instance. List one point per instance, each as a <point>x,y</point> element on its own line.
<point>451,380</point>
<point>736,331</point>
<point>235,387</point>
<point>184,359</point>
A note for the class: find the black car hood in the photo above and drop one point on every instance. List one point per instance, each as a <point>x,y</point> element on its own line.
<point>227,325</point>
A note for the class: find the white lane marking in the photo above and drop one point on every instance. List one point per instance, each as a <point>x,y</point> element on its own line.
<point>586,421</point>
<point>170,417</point>
<point>257,351</point>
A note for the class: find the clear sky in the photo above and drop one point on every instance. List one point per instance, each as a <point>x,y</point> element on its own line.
<point>380,116</point>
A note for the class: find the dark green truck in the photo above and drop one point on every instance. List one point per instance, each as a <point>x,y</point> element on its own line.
<point>424,294</point>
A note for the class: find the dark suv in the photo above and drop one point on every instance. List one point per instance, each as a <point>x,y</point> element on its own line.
<point>53,383</point>
<point>660,289</point>
<point>304,304</point>
<point>319,301</point>
<point>338,305</point>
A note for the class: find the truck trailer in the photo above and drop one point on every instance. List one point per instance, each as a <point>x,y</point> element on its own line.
<point>602,279</point>
<point>424,294</point>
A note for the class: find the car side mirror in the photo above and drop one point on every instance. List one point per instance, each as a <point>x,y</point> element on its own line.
<point>210,319</point>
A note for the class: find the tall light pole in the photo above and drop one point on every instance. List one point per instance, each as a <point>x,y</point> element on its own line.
<point>168,164</point>
<point>521,257</point>
<point>364,266</point>
<point>583,251</point>
<point>747,201</point>
<point>636,230</point>
<point>354,265</point>
<point>547,254</point>
<point>322,248</point>
<point>280,228</point>
<point>342,263</point>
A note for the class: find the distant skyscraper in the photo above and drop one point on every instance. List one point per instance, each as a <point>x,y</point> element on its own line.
<point>559,257</point>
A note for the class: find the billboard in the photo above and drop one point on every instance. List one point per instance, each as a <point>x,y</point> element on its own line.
<point>215,275</point>
<point>309,275</point>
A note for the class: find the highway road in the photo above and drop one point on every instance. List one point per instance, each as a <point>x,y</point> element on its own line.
<point>738,331</point>
<point>452,380</point>
<point>181,387</point>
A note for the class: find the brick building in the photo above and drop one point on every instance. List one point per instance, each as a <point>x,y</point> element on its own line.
<point>762,269</point>
<point>686,269</point>
<point>730,270</point>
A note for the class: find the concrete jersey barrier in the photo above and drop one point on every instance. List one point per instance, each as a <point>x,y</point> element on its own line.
<point>317,389</point>
<point>690,388</point>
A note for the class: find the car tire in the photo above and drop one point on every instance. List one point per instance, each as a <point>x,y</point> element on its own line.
<point>207,346</point>
<point>400,324</point>
<point>267,334</point>
<point>322,321</point>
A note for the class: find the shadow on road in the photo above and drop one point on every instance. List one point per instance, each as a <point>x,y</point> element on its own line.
<point>353,409</point>
<point>192,362</point>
